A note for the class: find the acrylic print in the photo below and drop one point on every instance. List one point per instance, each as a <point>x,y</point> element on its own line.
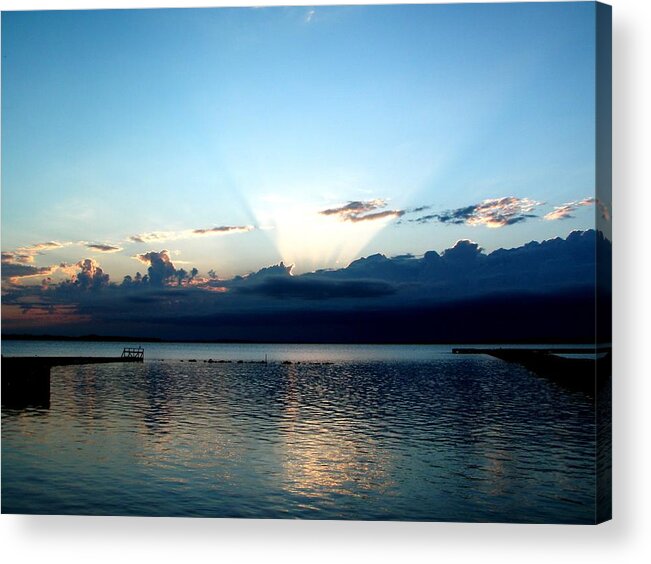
<point>333,262</point>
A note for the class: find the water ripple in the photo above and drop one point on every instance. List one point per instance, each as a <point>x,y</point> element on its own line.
<point>471,439</point>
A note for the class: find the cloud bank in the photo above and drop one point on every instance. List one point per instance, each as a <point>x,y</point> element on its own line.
<point>13,271</point>
<point>375,298</point>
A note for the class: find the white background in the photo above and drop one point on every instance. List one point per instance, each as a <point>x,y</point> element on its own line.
<point>625,539</point>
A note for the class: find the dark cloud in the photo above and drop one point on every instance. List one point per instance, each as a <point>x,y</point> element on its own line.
<point>138,280</point>
<point>143,299</point>
<point>495,212</point>
<point>356,211</point>
<point>11,270</point>
<point>567,316</point>
<point>380,267</point>
<point>426,219</point>
<point>15,257</point>
<point>161,269</point>
<point>458,216</point>
<point>464,269</point>
<point>355,207</point>
<point>103,248</point>
<point>160,295</point>
<point>463,250</point>
<point>317,289</point>
<point>276,270</point>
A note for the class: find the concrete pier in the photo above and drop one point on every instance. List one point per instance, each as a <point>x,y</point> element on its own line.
<point>26,380</point>
<point>583,374</point>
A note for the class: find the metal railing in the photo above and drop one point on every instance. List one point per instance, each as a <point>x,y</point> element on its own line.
<point>133,352</point>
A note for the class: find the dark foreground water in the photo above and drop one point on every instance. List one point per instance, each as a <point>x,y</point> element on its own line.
<point>417,434</point>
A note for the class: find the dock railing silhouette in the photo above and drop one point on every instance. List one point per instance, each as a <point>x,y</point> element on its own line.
<point>133,352</point>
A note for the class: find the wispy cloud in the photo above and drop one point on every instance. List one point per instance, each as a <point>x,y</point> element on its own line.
<point>418,209</point>
<point>223,230</point>
<point>376,215</point>
<point>357,210</point>
<point>493,213</point>
<point>103,248</point>
<point>149,237</point>
<point>309,16</point>
<point>25,255</point>
<point>161,236</point>
<point>565,211</point>
<point>46,246</point>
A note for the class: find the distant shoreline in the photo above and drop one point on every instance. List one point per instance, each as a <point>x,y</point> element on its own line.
<point>131,339</point>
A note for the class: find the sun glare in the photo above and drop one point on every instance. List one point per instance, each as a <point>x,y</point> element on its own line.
<point>312,241</point>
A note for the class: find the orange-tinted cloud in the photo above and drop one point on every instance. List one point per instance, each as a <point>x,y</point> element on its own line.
<point>46,246</point>
<point>565,211</point>
<point>492,212</point>
<point>17,257</point>
<point>25,255</point>
<point>90,276</point>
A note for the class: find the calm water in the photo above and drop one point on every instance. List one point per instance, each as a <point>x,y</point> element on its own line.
<point>382,433</point>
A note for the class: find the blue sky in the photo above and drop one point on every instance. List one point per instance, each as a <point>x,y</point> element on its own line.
<point>127,126</point>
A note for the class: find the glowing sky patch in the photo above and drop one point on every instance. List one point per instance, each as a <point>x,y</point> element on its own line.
<point>35,316</point>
